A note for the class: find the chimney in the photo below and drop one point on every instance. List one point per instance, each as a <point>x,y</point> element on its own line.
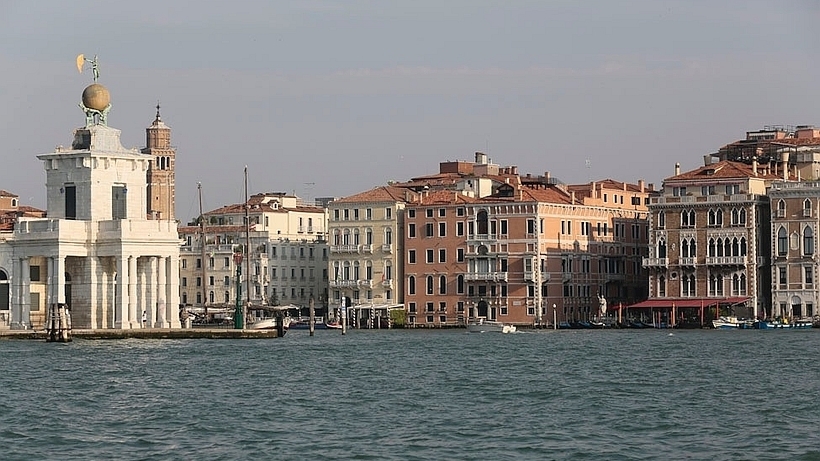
<point>754,166</point>
<point>650,186</point>
<point>572,195</point>
<point>547,176</point>
<point>641,185</point>
<point>677,169</point>
<point>785,157</point>
<point>707,160</point>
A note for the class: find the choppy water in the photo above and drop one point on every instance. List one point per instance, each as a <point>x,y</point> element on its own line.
<point>416,395</point>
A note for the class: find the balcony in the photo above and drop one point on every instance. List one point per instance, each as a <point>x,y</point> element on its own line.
<point>726,261</point>
<point>807,212</point>
<point>345,248</point>
<point>485,276</point>
<point>692,262</point>
<point>367,249</point>
<point>366,283</point>
<point>655,262</point>
<point>387,248</point>
<point>482,237</point>
<point>387,283</point>
<point>780,213</point>
<point>343,283</point>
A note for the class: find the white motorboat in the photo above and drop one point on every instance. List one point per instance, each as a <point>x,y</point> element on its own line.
<point>482,325</point>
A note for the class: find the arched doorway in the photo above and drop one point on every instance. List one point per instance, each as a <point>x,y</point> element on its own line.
<point>4,290</point>
<point>797,307</point>
<point>483,308</point>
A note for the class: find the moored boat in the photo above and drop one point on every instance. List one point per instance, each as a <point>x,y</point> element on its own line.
<point>482,325</point>
<point>732,323</point>
<point>782,324</point>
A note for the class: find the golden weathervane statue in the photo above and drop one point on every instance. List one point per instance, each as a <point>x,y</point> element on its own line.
<point>96,101</point>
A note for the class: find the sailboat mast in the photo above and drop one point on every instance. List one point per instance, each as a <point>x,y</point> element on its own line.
<point>202,249</point>
<point>247,243</point>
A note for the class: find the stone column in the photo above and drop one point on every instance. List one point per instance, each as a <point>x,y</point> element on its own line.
<point>96,314</point>
<point>172,291</point>
<point>150,291</point>
<point>59,281</point>
<point>133,321</point>
<point>121,300</point>
<point>162,287</point>
<point>16,293</point>
<point>25,294</point>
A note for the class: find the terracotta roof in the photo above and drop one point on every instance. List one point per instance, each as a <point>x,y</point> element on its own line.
<point>378,194</point>
<point>5,193</point>
<point>546,195</point>
<point>444,197</point>
<point>606,184</point>
<point>724,170</point>
<point>213,229</point>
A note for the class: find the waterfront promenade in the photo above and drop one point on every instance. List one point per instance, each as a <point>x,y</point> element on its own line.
<point>147,333</point>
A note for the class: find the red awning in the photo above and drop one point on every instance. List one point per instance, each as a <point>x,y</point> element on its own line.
<point>686,302</point>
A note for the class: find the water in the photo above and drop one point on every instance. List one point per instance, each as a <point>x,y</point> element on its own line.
<point>416,395</point>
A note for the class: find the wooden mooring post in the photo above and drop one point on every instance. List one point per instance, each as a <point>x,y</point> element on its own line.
<point>58,324</point>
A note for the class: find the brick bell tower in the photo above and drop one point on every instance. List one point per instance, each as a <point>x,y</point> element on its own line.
<point>160,176</point>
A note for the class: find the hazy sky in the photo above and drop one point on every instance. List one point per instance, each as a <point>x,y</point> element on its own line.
<point>329,98</point>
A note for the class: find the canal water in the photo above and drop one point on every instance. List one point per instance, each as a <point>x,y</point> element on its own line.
<point>416,395</point>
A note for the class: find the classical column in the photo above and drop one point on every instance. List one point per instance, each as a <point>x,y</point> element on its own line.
<point>162,287</point>
<point>16,293</point>
<point>96,314</point>
<point>121,300</point>
<point>133,321</point>
<point>59,280</point>
<point>172,291</point>
<point>25,294</point>
<point>149,291</point>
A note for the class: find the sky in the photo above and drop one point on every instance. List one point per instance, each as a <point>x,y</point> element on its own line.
<point>330,98</point>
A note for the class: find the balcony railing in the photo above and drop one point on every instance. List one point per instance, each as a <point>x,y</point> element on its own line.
<point>387,248</point>
<point>655,262</point>
<point>482,237</point>
<point>688,261</point>
<point>367,248</point>
<point>486,276</point>
<point>343,283</point>
<point>726,260</point>
<point>387,283</point>
<point>345,248</point>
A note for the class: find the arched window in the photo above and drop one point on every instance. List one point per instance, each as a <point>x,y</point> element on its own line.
<point>411,285</point>
<point>712,248</point>
<point>720,247</point>
<point>735,247</point>
<point>227,297</point>
<point>692,249</point>
<point>742,246</point>
<point>337,237</point>
<point>442,284</point>
<point>727,247</point>
<point>782,241</point>
<point>355,270</point>
<point>807,207</point>
<point>742,216</point>
<point>346,237</point>
<point>460,284</point>
<point>689,285</point>
<point>211,297</point>
<point>662,286</point>
<point>4,290</point>
<point>684,248</point>
<point>661,220</point>
<point>808,240</point>
<point>429,284</point>
<point>388,236</point>
<point>661,248</point>
<point>481,221</point>
<point>356,236</point>
<point>368,234</point>
<point>346,270</point>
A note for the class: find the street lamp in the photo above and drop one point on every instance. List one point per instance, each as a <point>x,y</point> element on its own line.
<point>554,317</point>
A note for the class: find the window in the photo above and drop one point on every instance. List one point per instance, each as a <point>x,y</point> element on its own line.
<point>411,285</point>
<point>782,242</point>
<point>442,229</point>
<point>809,276</point>
<point>412,307</point>
<point>531,227</point>
<point>411,256</point>
<point>429,212</point>
<point>781,275</point>
<point>459,211</point>
<point>807,208</point>
<point>430,285</point>
<point>368,213</point>
<point>707,190</point>
<point>689,285</point>
<point>661,221</point>
<point>442,255</point>
<point>732,189</point>
<point>442,284</point>
<point>808,241</point>
<point>677,191</point>
<point>411,213</point>
<point>460,255</point>
<point>482,222</point>
<point>388,213</point>
<point>662,286</point>
<point>428,230</point>
<point>715,218</point>
<point>411,230</point>
<point>687,218</point>
<point>442,212</point>
<point>503,227</point>
<point>460,284</point>
<point>460,228</point>
<point>429,256</point>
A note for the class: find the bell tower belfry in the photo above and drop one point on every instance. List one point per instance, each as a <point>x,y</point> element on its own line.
<point>160,177</point>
